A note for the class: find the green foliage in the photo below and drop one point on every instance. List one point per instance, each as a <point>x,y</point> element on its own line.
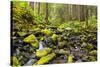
<point>22,12</point>
<point>43,52</point>
<point>92,23</point>
<point>46,59</point>
<point>71,24</point>
<point>78,26</point>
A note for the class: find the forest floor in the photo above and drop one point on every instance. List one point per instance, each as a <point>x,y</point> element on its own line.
<point>53,45</point>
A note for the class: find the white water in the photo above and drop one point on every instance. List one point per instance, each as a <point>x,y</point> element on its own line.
<point>40,45</point>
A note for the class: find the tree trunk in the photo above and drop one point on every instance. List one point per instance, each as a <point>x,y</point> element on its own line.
<point>46,17</point>
<point>39,8</point>
<point>32,5</point>
<point>86,16</point>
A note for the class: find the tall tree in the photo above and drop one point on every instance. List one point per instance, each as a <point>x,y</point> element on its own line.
<point>32,5</point>
<point>46,17</point>
<point>39,8</point>
<point>86,16</point>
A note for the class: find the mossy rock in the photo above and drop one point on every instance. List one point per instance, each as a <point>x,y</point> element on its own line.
<point>32,40</point>
<point>46,31</point>
<point>15,61</point>
<point>90,46</point>
<point>37,29</point>
<point>42,38</point>
<point>92,58</point>
<point>60,30</point>
<point>68,28</point>
<point>21,33</point>
<point>35,44</point>
<point>70,58</point>
<point>43,52</point>
<point>62,44</point>
<point>46,59</point>
<point>13,33</point>
<point>54,37</point>
<point>61,51</point>
<point>93,52</point>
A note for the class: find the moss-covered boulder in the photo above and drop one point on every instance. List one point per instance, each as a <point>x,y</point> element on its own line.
<point>92,58</point>
<point>46,59</point>
<point>43,52</point>
<point>60,30</point>
<point>54,37</point>
<point>46,32</point>
<point>15,61</point>
<point>70,58</point>
<point>61,51</point>
<point>62,44</point>
<point>89,46</point>
<point>21,33</point>
<point>32,40</point>
<point>93,52</point>
<point>35,44</point>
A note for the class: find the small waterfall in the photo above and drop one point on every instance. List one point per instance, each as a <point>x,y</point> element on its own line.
<point>41,45</point>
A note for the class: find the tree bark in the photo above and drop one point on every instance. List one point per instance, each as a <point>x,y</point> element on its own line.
<point>39,8</point>
<point>46,17</point>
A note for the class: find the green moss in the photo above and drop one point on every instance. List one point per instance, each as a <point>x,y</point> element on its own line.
<point>62,44</point>
<point>92,58</point>
<point>15,61</point>
<point>89,46</point>
<point>42,38</point>
<point>46,59</point>
<point>36,44</point>
<point>70,58</point>
<point>54,37</point>
<point>43,52</point>
<point>32,40</point>
<point>61,51</point>
<point>21,33</point>
<point>46,31</point>
<point>60,30</point>
<point>93,52</point>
